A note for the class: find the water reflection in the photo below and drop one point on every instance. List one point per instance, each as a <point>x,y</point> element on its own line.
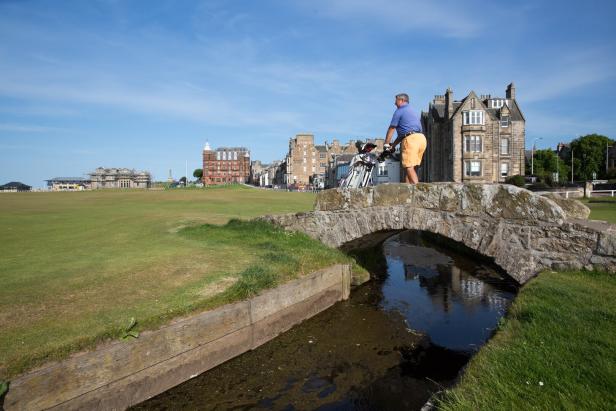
<point>394,343</point>
<point>451,298</point>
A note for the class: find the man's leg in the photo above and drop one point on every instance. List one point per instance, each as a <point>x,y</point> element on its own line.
<point>411,176</point>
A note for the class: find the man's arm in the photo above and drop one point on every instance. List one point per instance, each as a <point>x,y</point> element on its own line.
<point>390,133</point>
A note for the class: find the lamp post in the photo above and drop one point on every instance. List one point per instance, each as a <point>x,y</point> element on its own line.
<point>571,164</point>
<point>557,169</point>
<point>532,156</point>
<point>607,156</point>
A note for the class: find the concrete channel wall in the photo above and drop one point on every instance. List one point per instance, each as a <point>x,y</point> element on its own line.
<point>123,373</point>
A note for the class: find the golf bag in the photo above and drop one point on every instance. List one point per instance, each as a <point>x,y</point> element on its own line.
<point>361,166</point>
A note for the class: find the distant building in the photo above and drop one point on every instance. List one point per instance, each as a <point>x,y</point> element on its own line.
<point>225,165</point>
<point>119,178</point>
<point>14,186</point>
<point>264,175</point>
<point>307,162</point>
<point>387,171</point>
<point>68,184</point>
<point>477,139</point>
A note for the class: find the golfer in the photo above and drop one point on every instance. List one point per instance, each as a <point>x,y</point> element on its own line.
<point>412,142</point>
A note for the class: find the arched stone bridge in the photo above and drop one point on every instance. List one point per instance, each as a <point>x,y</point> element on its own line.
<point>523,232</point>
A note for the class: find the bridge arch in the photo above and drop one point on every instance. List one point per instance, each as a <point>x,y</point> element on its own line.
<point>522,232</point>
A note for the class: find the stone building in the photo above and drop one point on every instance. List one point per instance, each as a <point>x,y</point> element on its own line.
<point>69,184</point>
<point>119,178</point>
<point>306,162</point>
<point>264,175</point>
<point>477,139</point>
<point>225,165</point>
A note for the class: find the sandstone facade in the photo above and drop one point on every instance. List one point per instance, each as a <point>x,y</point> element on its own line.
<point>523,232</point>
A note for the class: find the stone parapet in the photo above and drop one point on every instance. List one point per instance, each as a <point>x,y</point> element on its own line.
<point>523,232</point>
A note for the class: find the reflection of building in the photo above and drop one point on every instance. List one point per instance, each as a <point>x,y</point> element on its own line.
<point>119,178</point>
<point>68,184</point>
<point>477,139</point>
<point>225,165</point>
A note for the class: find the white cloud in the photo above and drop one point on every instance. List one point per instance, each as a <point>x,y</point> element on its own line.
<point>447,18</point>
<point>30,128</point>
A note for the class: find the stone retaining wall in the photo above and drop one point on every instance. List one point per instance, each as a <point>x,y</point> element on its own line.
<point>123,373</point>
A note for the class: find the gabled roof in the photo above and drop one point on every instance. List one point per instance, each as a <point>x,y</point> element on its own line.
<point>58,179</point>
<point>15,185</point>
<point>437,110</point>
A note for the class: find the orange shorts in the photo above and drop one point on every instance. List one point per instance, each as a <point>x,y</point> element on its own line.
<point>412,149</point>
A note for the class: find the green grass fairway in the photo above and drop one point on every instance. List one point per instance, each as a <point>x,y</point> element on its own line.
<point>556,350</point>
<point>602,208</point>
<point>77,266</point>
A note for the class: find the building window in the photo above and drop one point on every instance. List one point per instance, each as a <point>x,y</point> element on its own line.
<point>472,168</point>
<point>218,155</point>
<point>497,103</point>
<point>322,155</point>
<point>235,155</point>
<point>323,165</point>
<point>473,144</point>
<point>504,121</point>
<point>382,170</point>
<point>472,117</point>
<point>504,148</point>
<point>504,169</point>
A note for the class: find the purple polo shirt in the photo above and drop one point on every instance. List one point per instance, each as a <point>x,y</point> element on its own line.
<point>406,120</point>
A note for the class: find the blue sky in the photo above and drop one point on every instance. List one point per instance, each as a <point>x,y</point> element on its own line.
<point>144,84</point>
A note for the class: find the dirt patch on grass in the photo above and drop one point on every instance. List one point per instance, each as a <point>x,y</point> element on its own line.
<point>217,287</point>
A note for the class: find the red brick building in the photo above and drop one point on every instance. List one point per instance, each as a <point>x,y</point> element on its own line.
<point>225,165</point>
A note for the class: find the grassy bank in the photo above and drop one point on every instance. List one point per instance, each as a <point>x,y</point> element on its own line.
<point>602,208</point>
<point>76,267</point>
<point>555,350</point>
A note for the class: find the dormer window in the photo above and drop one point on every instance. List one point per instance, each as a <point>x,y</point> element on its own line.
<point>497,102</point>
<point>472,117</point>
<point>504,122</point>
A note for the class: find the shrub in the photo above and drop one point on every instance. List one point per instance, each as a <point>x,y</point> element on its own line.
<point>538,186</point>
<point>516,180</point>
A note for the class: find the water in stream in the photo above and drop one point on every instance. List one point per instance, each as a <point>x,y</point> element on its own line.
<point>394,343</point>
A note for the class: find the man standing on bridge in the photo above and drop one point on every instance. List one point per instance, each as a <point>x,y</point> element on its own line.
<point>412,142</point>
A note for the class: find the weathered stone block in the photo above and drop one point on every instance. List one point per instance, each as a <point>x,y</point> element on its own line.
<point>393,194</point>
<point>572,208</point>
<point>607,244</point>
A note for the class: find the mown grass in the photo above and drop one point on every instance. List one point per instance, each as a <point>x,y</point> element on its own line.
<point>76,267</point>
<point>556,349</point>
<point>602,208</point>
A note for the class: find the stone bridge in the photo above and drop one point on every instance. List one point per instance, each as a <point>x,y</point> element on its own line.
<point>523,233</point>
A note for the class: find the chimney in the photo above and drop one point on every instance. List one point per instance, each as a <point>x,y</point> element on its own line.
<point>510,93</point>
<point>448,103</point>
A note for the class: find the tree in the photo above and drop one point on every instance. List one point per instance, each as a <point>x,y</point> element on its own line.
<point>198,173</point>
<point>589,156</point>
<point>516,180</point>
<point>545,165</point>
<point>183,180</point>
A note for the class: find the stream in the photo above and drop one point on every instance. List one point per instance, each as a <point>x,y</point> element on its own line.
<point>400,338</point>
